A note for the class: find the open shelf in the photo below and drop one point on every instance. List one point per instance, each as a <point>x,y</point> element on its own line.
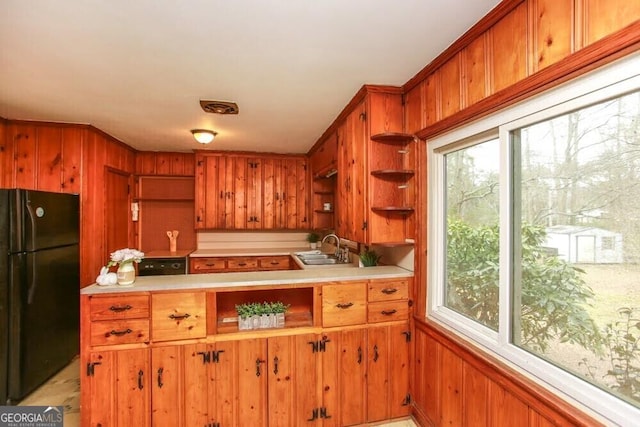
<point>393,173</point>
<point>399,209</point>
<point>396,138</point>
<point>299,300</point>
<point>293,320</point>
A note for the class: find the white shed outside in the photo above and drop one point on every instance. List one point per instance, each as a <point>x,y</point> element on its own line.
<point>589,245</point>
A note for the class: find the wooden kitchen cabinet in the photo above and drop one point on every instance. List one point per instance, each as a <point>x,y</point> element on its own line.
<point>323,161</point>
<point>201,265</point>
<point>178,315</point>
<point>166,378</point>
<point>388,372</point>
<point>259,192</point>
<point>344,304</point>
<point>118,383</point>
<point>353,367</point>
<point>210,384</point>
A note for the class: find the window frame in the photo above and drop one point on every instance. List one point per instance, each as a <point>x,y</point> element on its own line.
<point>612,80</point>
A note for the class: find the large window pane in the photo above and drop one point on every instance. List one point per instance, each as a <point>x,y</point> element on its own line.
<point>472,242</point>
<point>577,243</point>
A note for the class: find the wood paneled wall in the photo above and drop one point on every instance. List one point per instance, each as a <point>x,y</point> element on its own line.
<point>66,158</point>
<point>519,49</point>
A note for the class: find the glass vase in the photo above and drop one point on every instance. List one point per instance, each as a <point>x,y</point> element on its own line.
<point>126,274</point>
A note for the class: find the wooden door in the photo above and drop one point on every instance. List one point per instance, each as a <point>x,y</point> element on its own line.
<point>353,368</point>
<point>307,382</point>
<point>271,203</point>
<point>377,374</point>
<point>329,391</point>
<point>387,372</point>
<point>342,208</point>
<point>209,384</point>
<point>72,140</point>
<point>399,348</point>
<point>101,384</point>
<point>207,196</point>
<point>281,383</point>
<point>117,210</point>
<point>254,194</point>
<point>360,137</point>
<point>252,382</point>
<point>240,173</point>
<point>132,388</point>
<point>166,384</point>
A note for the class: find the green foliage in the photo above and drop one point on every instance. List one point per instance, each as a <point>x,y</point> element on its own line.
<point>623,342</point>
<point>369,258</point>
<point>257,309</point>
<point>553,294</point>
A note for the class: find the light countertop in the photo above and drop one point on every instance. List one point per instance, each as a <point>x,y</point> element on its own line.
<point>259,278</point>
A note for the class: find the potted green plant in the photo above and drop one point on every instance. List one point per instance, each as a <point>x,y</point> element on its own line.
<point>254,315</point>
<point>313,239</point>
<point>369,258</point>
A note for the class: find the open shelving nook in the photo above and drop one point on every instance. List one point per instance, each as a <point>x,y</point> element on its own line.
<point>391,186</point>
<point>222,307</point>
<point>323,192</point>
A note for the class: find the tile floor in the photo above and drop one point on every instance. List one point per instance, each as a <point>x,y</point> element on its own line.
<point>63,389</point>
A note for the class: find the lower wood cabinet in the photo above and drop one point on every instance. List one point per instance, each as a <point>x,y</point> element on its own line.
<point>313,374</point>
<point>118,383</point>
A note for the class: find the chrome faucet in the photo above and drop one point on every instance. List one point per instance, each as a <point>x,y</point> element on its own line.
<point>337,239</point>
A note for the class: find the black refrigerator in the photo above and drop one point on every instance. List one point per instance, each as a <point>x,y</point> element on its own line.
<point>39,288</point>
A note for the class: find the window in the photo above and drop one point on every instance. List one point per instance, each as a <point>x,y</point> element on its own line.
<point>535,237</point>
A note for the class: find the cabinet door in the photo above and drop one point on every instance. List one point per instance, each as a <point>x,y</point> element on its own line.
<point>254,194</point>
<point>210,384</point>
<point>166,385</point>
<point>353,368</point>
<point>208,193</point>
<point>351,185</point>
<point>281,381</point>
<point>132,391</point>
<point>178,315</point>
<point>294,194</point>
<point>252,382</point>
<point>387,372</point>
<point>100,388</point>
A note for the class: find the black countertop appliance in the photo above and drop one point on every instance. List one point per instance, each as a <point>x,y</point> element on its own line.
<point>39,288</point>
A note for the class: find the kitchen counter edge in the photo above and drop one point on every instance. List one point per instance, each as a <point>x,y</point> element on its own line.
<point>262,278</point>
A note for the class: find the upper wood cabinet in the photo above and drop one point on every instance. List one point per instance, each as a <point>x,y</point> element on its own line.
<point>323,160</point>
<point>42,157</point>
<point>258,192</point>
<point>376,166</point>
<point>164,163</point>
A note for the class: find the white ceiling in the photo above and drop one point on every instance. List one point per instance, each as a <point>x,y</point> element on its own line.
<point>137,69</point>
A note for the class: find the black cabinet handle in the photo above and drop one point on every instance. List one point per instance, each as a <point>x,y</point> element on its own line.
<point>140,379</point>
<point>389,312</point>
<point>389,291</point>
<point>375,353</point>
<point>120,308</point>
<point>120,333</point>
<point>258,362</point>
<point>275,365</point>
<point>242,264</point>
<point>314,415</point>
<point>359,355</point>
<point>160,384</point>
<point>179,316</point>
<point>343,306</point>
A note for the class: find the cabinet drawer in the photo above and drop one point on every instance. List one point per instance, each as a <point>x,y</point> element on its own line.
<point>388,290</point>
<point>275,263</point>
<point>387,311</point>
<point>176,316</point>
<point>119,307</point>
<point>112,332</point>
<point>206,265</point>
<point>242,263</point>
<point>344,304</point>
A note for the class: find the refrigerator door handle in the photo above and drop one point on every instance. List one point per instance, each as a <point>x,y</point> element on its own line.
<point>34,279</point>
<point>33,224</point>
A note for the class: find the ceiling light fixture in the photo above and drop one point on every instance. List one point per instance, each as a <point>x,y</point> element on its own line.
<point>203,136</point>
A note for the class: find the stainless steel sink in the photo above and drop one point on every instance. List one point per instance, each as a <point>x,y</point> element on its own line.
<point>318,259</point>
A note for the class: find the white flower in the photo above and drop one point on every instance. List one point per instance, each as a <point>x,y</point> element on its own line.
<point>122,256</point>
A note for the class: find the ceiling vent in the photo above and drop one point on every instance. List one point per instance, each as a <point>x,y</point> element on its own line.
<point>219,107</point>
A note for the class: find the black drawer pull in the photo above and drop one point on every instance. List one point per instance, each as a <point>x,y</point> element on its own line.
<point>343,306</point>
<point>389,291</point>
<point>179,316</point>
<point>120,333</point>
<point>211,265</point>
<point>389,312</point>
<point>242,264</point>
<point>120,308</point>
